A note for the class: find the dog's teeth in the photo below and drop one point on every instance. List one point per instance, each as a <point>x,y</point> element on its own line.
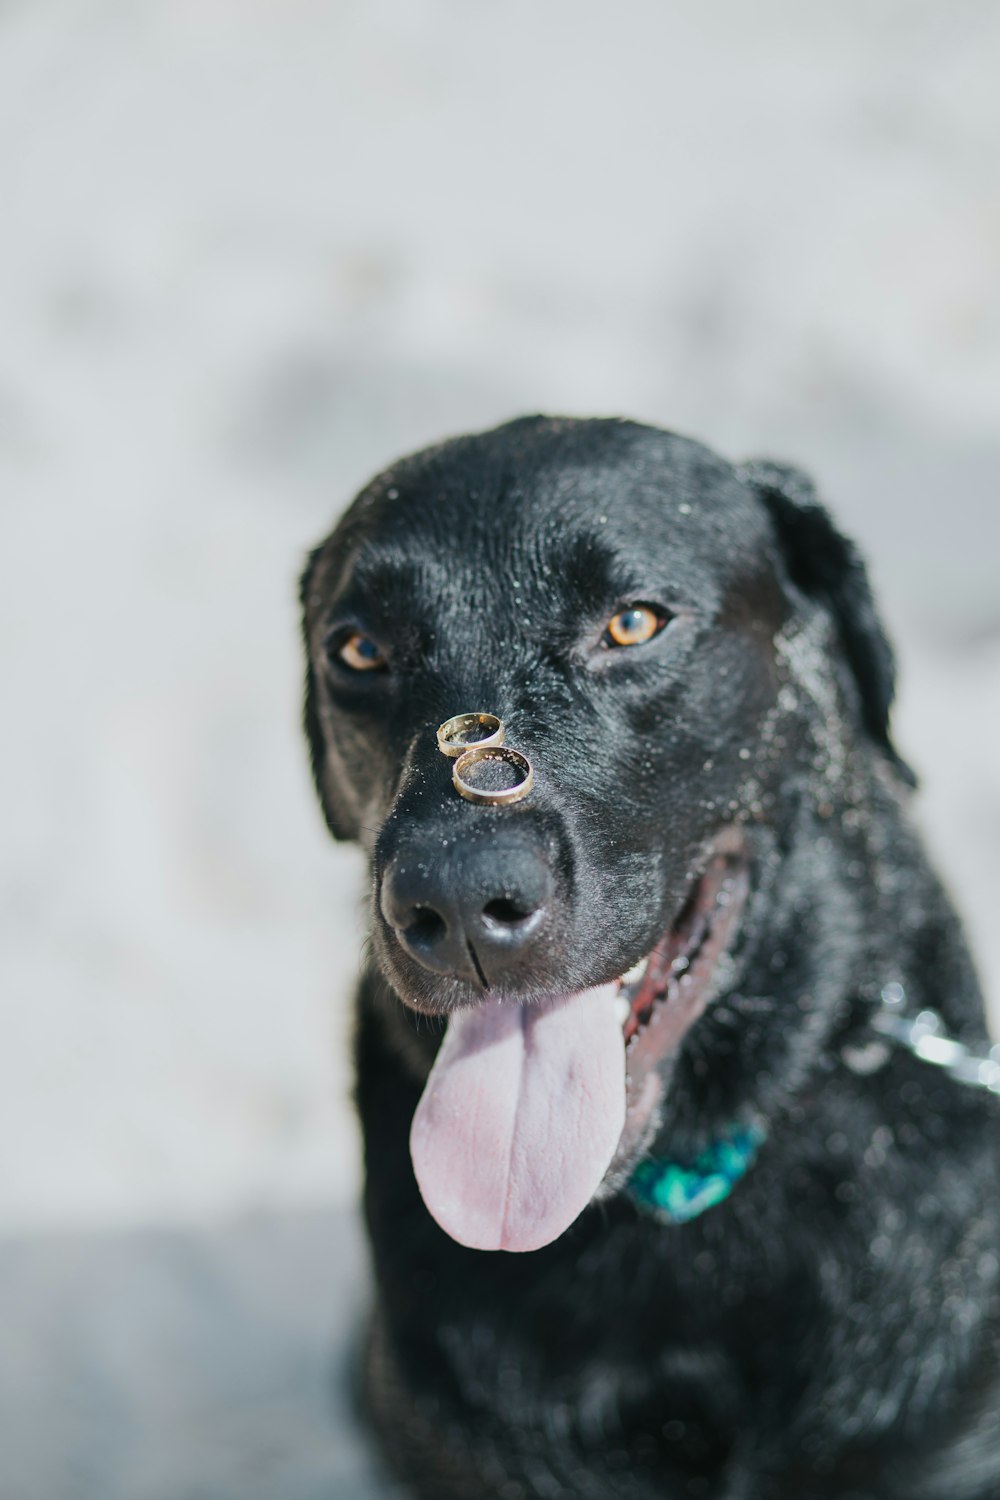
<point>622,1008</point>
<point>637,971</point>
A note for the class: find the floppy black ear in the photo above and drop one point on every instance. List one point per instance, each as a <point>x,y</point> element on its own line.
<point>826,566</point>
<point>337,818</point>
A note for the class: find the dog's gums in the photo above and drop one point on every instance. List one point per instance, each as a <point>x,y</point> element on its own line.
<point>682,964</point>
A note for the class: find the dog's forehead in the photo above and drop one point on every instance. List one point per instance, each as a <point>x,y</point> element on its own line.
<point>613,510</point>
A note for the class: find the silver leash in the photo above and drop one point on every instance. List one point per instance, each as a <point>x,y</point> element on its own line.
<point>926,1037</point>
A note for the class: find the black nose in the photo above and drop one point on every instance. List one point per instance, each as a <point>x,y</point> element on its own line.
<point>475,915</point>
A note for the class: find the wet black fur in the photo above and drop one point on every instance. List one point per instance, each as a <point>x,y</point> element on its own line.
<point>832,1329</point>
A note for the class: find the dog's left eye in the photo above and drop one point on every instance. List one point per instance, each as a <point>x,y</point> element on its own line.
<point>634,626</point>
<point>360,653</point>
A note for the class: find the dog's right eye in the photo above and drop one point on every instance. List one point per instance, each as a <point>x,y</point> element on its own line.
<point>358,653</point>
<point>635,625</point>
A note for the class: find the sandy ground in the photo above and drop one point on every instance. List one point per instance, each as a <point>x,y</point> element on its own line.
<point>250,252</point>
<point>203,1365</point>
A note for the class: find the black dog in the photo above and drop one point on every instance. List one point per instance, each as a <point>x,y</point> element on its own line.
<point>764,1243</point>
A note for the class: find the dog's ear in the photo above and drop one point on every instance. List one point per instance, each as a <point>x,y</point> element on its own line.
<point>826,566</point>
<point>338,819</point>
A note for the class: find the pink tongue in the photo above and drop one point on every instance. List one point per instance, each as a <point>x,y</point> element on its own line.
<point>520,1118</point>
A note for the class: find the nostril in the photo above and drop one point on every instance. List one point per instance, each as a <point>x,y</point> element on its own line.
<point>427,926</point>
<point>481,910</point>
<point>506,911</point>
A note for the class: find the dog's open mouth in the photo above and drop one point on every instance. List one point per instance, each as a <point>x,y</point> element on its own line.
<point>527,1107</point>
<point>662,997</point>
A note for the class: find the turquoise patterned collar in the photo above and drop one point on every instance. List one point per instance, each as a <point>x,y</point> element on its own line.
<point>670,1191</point>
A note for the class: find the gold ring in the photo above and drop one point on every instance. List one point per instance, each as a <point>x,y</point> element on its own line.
<point>503,796</point>
<point>489,727</point>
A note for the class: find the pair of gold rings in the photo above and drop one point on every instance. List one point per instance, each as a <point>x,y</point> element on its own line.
<point>472,740</point>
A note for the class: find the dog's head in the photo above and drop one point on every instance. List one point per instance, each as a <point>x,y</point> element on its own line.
<point>690,657</point>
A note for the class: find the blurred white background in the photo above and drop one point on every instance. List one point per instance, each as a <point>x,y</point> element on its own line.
<point>253,251</point>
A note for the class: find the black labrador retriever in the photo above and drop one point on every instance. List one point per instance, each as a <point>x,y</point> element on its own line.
<point>651,1023</point>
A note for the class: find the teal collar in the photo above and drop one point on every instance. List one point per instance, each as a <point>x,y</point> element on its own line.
<point>677,1193</point>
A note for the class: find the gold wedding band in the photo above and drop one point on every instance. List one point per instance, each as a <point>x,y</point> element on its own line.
<point>487,728</point>
<point>503,796</point>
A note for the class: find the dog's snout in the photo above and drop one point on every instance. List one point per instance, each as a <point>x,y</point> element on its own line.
<point>475,915</point>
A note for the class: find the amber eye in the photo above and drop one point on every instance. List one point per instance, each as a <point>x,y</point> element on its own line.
<point>360,653</point>
<point>634,626</point>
